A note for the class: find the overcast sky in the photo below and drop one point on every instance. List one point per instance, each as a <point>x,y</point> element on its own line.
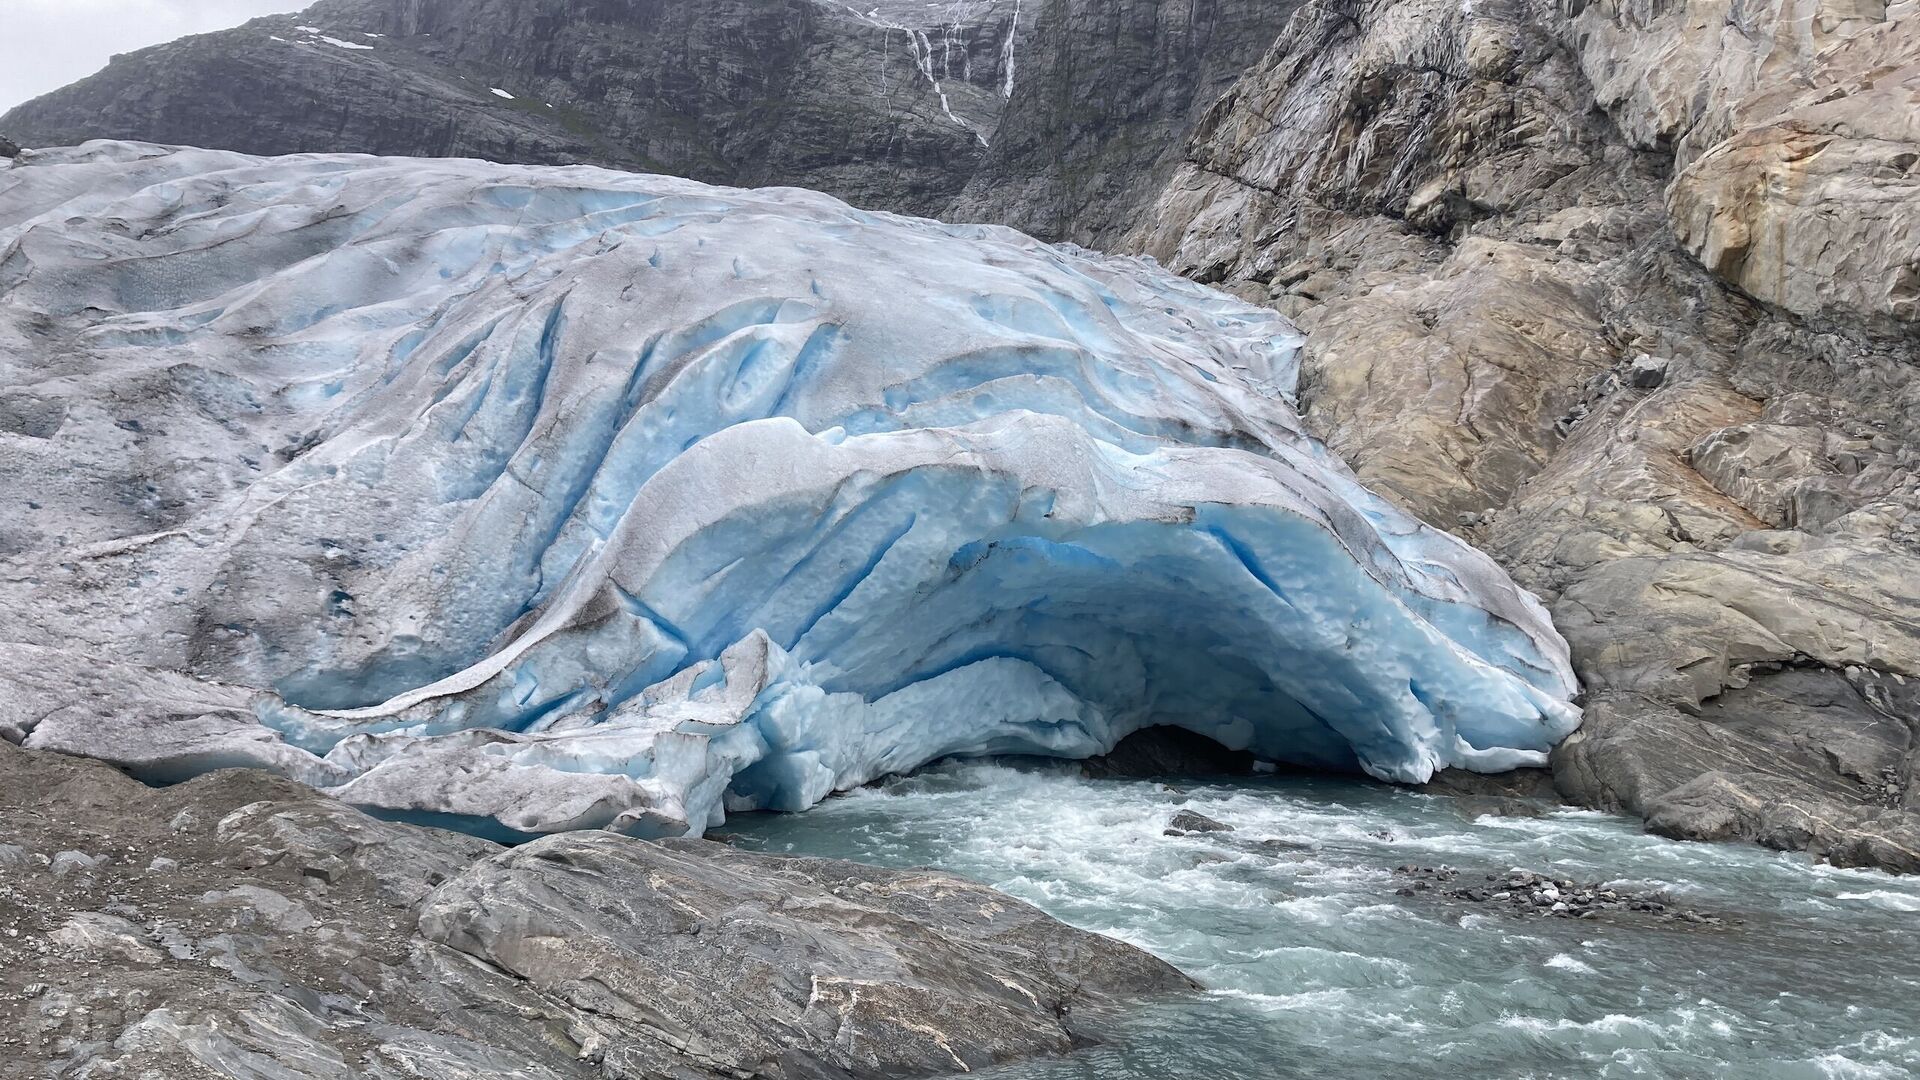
<point>46,44</point>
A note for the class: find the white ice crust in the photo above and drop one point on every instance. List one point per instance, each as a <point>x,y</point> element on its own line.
<point>564,498</point>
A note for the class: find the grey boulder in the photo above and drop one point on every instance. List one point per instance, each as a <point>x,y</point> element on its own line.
<point>747,964</point>
<point>291,937</point>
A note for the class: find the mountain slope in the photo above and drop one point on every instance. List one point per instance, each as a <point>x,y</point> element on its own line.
<point>1058,116</point>
<point>743,92</point>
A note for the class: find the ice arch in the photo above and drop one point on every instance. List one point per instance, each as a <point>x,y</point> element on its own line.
<point>621,500</point>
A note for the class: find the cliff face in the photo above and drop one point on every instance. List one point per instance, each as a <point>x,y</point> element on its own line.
<point>1105,96</point>
<point>880,109</point>
<point>1626,293</point>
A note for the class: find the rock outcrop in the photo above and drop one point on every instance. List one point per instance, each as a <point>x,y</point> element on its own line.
<point>242,925</point>
<point>1058,116</point>
<point>1624,295</point>
<point>1812,203</point>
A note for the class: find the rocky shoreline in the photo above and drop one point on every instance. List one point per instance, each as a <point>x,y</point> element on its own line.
<point>240,924</point>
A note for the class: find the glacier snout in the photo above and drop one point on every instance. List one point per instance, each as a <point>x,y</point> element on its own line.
<point>568,498</point>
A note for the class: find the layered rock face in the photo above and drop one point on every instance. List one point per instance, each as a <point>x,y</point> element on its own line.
<point>1626,297</point>
<point>564,499</point>
<point>889,106</point>
<point>241,925</point>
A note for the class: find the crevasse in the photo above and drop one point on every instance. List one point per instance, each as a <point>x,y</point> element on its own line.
<point>625,501</point>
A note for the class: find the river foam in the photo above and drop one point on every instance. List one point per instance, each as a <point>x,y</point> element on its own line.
<point>1315,968</point>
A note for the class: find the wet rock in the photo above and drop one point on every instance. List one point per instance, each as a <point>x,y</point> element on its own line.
<point>1188,822</point>
<point>1528,784</point>
<point>1474,806</point>
<point>1527,894</point>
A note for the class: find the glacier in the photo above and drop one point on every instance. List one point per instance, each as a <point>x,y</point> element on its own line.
<point>555,498</point>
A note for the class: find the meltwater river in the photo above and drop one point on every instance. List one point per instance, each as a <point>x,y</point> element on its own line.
<point>1314,967</point>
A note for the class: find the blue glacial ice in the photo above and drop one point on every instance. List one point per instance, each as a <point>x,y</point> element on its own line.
<point>567,498</point>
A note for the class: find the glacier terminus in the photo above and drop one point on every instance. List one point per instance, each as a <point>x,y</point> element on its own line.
<point>557,498</point>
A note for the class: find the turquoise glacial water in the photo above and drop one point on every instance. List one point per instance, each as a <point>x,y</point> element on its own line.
<point>1314,968</point>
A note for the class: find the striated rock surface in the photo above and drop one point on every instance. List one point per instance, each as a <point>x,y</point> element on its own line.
<point>693,947</point>
<point>1813,203</point>
<point>1754,694</point>
<point>242,925</point>
<point>1622,292</point>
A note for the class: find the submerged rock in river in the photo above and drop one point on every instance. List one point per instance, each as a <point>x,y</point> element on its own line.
<point>1524,893</point>
<point>1187,822</point>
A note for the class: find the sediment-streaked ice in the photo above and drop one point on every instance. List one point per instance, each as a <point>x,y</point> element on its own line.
<point>568,498</point>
